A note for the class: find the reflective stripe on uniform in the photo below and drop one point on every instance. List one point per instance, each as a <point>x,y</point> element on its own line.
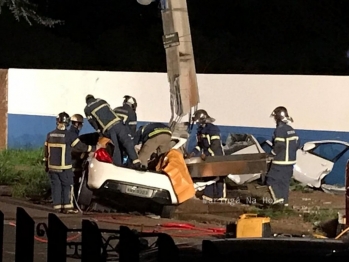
<point>287,143</point>
<point>215,137</point>
<point>75,142</point>
<point>89,148</point>
<point>63,148</point>
<point>285,162</point>
<point>56,207</point>
<point>107,126</point>
<point>123,116</point>
<point>198,148</point>
<point>110,124</point>
<point>272,193</point>
<point>159,131</point>
<point>132,123</point>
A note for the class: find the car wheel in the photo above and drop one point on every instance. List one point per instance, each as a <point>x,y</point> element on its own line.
<point>168,211</point>
<point>85,195</point>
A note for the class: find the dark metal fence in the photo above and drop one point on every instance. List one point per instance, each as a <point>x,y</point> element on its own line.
<point>94,244</point>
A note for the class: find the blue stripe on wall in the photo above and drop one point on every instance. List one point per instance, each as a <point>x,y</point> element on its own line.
<point>28,131</point>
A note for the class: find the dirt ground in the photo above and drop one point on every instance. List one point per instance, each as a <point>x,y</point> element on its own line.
<point>300,198</point>
<point>307,208</point>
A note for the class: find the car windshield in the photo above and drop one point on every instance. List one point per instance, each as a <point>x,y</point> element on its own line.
<point>329,151</point>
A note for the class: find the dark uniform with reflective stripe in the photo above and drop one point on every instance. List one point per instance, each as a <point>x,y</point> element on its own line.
<point>76,155</point>
<point>104,119</point>
<point>154,137</point>
<point>208,141</point>
<point>285,146</point>
<point>128,116</point>
<point>58,149</point>
<point>77,160</point>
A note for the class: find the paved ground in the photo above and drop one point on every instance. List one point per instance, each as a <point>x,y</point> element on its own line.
<point>105,221</point>
<point>202,215</point>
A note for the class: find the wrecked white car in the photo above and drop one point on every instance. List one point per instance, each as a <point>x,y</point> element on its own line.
<point>315,160</point>
<point>166,184</point>
<point>158,189</point>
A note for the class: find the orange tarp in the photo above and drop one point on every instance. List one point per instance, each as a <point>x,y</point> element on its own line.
<point>174,166</point>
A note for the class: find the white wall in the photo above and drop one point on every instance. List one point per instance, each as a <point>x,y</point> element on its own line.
<point>315,102</point>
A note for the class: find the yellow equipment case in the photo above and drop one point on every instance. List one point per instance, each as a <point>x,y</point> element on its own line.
<point>250,225</point>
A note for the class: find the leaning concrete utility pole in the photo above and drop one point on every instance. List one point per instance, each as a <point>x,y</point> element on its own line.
<point>181,72</point>
<point>181,69</point>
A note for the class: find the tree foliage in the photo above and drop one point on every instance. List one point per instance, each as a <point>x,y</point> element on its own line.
<point>27,10</point>
<point>229,37</point>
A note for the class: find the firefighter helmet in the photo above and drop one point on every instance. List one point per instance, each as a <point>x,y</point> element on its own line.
<point>131,101</point>
<point>77,118</point>
<point>88,97</point>
<point>281,114</point>
<point>202,117</point>
<point>63,118</point>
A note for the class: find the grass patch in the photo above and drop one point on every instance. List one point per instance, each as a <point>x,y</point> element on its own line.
<point>320,215</point>
<point>297,186</point>
<point>23,170</point>
<point>274,212</point>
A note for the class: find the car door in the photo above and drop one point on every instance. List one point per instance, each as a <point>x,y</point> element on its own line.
<point>315,160</point>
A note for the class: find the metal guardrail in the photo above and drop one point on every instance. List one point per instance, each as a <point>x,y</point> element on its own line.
<point>94,244</point>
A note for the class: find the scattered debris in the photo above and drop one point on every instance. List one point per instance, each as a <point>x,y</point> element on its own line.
<point>153,216</point>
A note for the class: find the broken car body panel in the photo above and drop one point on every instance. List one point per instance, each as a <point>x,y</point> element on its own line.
<point>244,144</point>
<point>315,160</point>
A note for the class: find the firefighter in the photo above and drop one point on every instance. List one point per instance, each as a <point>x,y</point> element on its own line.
<point>58,162</point>
<point>285,146</point>
<point>154,137</point>
<point>208,135</point>
<point>107,123</point>
<point>209,144</point>
<point>77,122</point>
<point>127,112</point>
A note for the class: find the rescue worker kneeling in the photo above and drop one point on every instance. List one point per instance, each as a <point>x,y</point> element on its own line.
<point>154,137</point>
<point>58,163</point>
<point>209,144</point>
<point>107,123</point>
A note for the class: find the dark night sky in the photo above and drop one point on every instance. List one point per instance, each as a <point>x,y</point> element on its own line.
<point>244,36</point>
